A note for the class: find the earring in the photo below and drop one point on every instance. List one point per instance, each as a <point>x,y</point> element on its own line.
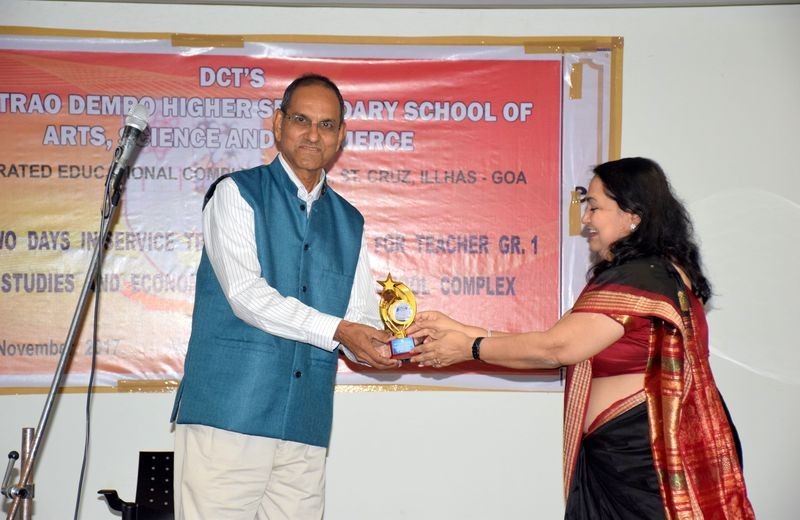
<point>633,227</point>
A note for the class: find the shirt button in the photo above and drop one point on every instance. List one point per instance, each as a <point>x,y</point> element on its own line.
<point>305,247</point>
<point>298,374</point>
<point>305,288</point>
<point>302,207</point>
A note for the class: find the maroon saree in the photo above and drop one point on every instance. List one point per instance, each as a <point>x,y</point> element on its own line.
<point>693,450</point>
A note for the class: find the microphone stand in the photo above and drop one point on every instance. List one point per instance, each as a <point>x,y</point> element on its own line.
<point>26,508</point>
<point>23,491</point>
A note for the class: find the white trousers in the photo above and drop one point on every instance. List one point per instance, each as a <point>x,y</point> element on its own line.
<point>221,475</point>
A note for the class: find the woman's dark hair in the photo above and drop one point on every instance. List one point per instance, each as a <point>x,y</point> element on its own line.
<point>639,186</point>
<point>312,79</point>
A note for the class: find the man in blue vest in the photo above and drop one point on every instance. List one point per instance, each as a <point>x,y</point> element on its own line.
<point>284,280</point>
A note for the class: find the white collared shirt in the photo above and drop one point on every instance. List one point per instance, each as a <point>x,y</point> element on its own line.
<point>229,235</point>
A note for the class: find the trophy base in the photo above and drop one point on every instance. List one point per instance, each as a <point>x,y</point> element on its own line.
<point>401,348</point>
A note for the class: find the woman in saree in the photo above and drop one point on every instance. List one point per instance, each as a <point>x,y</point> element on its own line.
<point>646,433</point>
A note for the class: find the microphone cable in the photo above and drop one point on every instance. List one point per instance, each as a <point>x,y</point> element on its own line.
<point>90,385</point>
<point>97,286</point>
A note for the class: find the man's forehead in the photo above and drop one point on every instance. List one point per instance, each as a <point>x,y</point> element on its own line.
<point>317,97</point>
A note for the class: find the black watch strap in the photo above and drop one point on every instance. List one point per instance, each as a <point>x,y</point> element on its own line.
<point>476,348</point>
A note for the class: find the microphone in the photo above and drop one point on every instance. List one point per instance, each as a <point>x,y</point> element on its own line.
<point>135,124</point>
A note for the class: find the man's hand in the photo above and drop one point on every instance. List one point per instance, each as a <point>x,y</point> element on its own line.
<point>369,345</point>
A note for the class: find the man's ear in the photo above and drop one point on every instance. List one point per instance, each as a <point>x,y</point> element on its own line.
<point>277,121</point>
<point>342,134</point>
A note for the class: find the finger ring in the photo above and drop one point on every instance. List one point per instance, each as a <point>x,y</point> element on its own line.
<point>436,362</point>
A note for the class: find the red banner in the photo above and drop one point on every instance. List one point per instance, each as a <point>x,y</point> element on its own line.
<point>453,156</point>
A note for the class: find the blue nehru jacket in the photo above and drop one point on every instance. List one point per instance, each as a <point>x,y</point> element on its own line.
<point>242,379</point>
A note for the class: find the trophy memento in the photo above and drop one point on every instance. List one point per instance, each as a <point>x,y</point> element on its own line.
<point>398,309</point>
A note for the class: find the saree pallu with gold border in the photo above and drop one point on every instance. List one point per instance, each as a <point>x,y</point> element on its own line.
<point>692,444</point>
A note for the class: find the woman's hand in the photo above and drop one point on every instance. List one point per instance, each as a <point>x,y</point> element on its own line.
<point>427,322</point>
<point>442,348</point>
